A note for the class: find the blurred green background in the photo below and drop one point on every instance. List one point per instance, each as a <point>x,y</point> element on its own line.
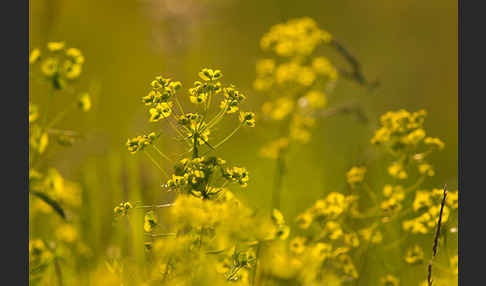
<point>409,46</point>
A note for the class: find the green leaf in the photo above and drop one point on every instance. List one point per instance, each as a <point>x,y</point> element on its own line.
<point>55,205</point>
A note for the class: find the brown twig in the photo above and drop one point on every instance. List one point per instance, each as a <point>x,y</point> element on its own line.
<point>356,73</point>
<point>436,238</point>
<point>351,108</point>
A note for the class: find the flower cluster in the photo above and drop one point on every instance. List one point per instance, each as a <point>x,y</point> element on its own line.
<point>122,209</point>
<point>192,176</point>
<point>50,194</point>
<point>402,134</point>
<point>297,81</point>
<point>297,37</point>
<point>58,63</point>
<point>138,143</point>
<point>426,205</point>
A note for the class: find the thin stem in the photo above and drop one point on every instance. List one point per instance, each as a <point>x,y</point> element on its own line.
<point>370,193</point>
<point>416,185</point>
<point>61,114</point>
<point>174,127</point>
<point>57,268</point>
<point>162,154</point>
<point>436,238</point>
<point>228,137</point>
<point>161,235</point>
<point>234,272</point>
<point>156,164</point>
<point>216,119</point>
<point>255,269</point>
<point>356,73</point>
<point>195,151</point>
<point>155,206</point>
<point>179,105</point>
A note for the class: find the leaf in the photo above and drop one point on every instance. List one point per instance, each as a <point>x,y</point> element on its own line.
<point>55,205</point>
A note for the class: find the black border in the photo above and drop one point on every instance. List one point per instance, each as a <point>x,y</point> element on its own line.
<point>472,145</point>
<point>14,23</point>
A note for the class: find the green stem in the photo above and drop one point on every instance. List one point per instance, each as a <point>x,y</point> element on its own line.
<point>161,154</point>
<point>228,137</point>
<point>370,193</point>
<point>155,163</point>
<point>57,268</point>
<point>61,115</point>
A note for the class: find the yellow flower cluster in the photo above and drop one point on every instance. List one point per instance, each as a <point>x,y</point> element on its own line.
<point>122,209</point>
<point>140,142</point>
<point>403,135</point>
<point>58,63</point>
<point>39,256</point>
<point>275,148</point>
<point>331,207</point>
<point>192,176</point>
<point>356,175</point>
<point>232,99</point>
<point>296,37</point>
<point>427,205</point>
<point>392,204</point>
<point>298,81</point>
<point>414,255</point>
<point>389,280</point>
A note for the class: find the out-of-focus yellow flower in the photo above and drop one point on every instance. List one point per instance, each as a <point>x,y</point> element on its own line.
<point>414,255</point>
<point>84,102</point>
<point>389,280</point>
<point>356,175</point>
<point>67,233</point>
<point>55,46</point>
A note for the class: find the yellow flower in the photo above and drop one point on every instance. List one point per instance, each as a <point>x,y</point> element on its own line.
<point>150,221</point>
<point>278,109</point>
<point>55,46</point>
<point>434,142</point>
<point>38,139</point>
<point>323,66</point>
<point>396,170</point>
<point>50,66</point>
<point>274,148</point>
<point>297,245</point>
<point>67,233</point>
<point>454,262</point>
<point>122,209</point>
<point>34,56</point>
<point>33,112</point>
<point>209,75</point>
<point>351,239</point>
<point>452,199</point>
<point>75,55</point>
<point>422,200</point>
<point>84,102</point>
<point>161,110</point>
<point>314,99</point>
<point>333,230</point>
<point>356,175</point>
<point>389,280</point>
<point>414,255</point>
<point>72,70</point>
<point>371,234</point>
<point>265,67</point>
<point>304,220</point>
<point>426,169</point>
<point>247,118</point>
